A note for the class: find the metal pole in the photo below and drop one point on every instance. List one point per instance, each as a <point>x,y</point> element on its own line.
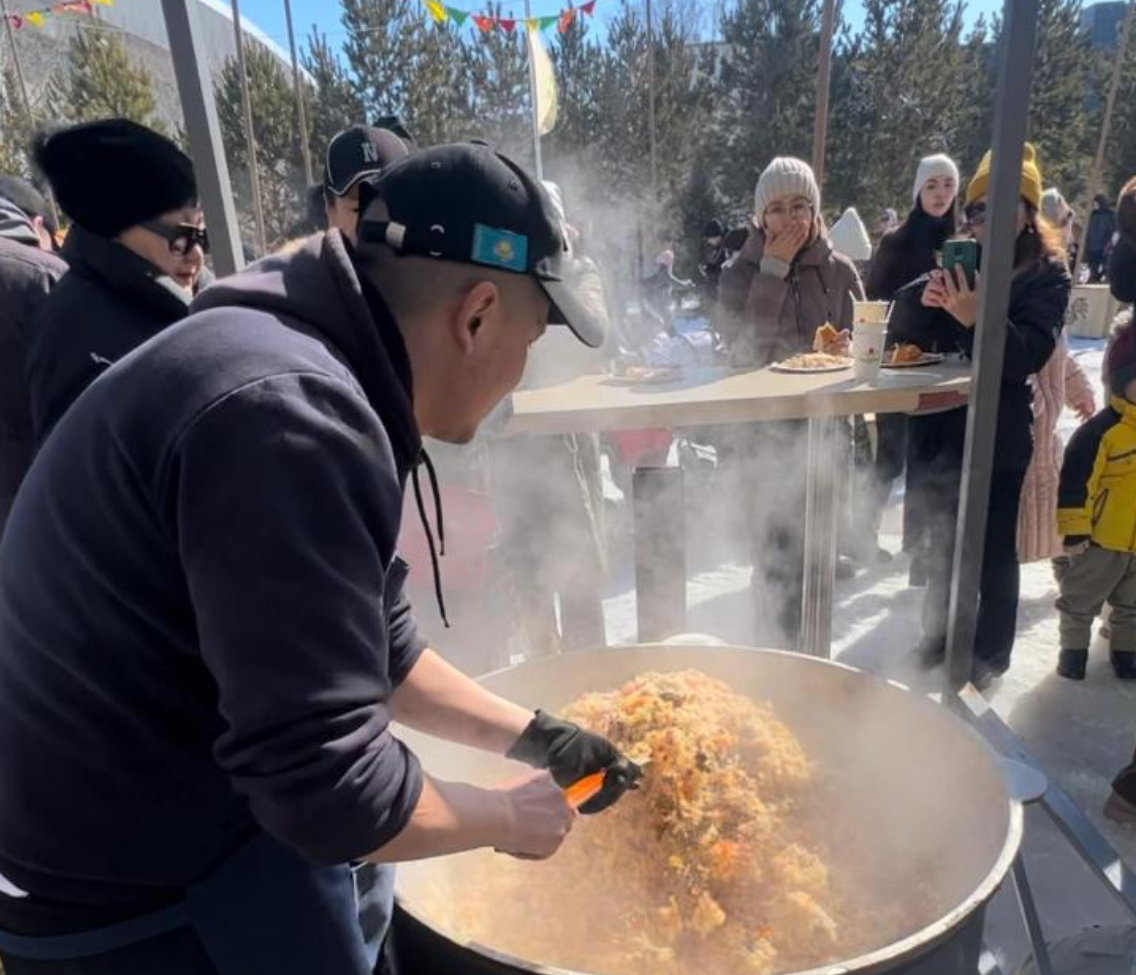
<point>530,40</point>
<point>1015,74</point>
<point>651,141</point>
<point>212,171</point>
<point>301,112</point>
<point>1106,126</point>
<point>250,136</point>
<point>26,100</point>
<point>822,491</point>
<point>824,74</point>
<point>659,506</point>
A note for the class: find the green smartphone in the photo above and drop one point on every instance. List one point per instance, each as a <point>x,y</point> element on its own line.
<point>964,253</point>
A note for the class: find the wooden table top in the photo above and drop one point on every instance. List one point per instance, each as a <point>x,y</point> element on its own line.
<point>701,397</point>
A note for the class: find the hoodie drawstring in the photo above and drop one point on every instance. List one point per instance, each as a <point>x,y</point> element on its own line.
<point>433,477</point>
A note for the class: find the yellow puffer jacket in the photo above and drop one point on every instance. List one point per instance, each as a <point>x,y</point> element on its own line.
<point>1097,497</point>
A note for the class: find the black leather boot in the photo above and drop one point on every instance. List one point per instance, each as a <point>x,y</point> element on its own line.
<point>1072,663</point>
<point>1123,665</point>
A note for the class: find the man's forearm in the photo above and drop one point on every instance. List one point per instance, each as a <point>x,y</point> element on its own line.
<point>450,817</point>
<point>441,701</point>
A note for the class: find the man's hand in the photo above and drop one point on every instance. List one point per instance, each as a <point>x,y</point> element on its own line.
<point>786,245</point>
<point>538,817</point>
<point>570,753</point>
<point>950,291</point>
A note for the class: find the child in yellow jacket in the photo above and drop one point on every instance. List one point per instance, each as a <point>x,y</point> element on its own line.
<point>1097,517</point>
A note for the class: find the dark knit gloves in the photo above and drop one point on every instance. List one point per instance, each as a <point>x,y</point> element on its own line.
<point>570,754</point>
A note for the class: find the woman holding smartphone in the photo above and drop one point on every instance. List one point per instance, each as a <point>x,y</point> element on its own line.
<point>1039,295</point>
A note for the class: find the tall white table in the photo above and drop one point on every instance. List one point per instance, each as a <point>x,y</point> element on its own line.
<point>707,397</point>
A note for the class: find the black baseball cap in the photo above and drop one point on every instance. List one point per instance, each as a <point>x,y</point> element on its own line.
<point>357,153</point>
<point>469,204</point>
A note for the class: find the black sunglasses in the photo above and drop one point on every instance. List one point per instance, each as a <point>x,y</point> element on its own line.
<point>975,214</point>
<point>182,237</point>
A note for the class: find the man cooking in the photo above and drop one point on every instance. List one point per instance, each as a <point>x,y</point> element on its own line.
<point>203,631</point>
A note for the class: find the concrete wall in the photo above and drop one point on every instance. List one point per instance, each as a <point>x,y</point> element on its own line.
<point>140,24</point>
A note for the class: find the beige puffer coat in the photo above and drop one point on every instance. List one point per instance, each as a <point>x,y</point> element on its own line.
<point>771,310</point>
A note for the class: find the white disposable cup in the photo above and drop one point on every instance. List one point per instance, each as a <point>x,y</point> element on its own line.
<point>870,312</point>
<point>867,349</point>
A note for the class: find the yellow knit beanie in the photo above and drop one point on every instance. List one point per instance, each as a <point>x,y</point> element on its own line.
<point>1031,179</point>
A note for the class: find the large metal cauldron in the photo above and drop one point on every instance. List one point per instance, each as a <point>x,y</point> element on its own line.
<point>919,789</point>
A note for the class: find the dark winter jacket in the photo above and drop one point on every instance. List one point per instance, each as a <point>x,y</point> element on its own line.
<point>1097,496</point>
<point>905,254</point>
<point>1039,296</point>
<point>109,302</point>
<point>202,616</point>
<point>27,275</point>
<point>770,312</point>
<point>1102,226</point>
<point>1122,270</point>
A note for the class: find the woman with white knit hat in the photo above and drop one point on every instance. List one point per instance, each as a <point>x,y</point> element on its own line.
<point>786,282</point>
<point>901,257</point>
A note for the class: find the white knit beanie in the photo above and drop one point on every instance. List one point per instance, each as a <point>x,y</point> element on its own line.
<point>929,168</point>
<point>785,176</point>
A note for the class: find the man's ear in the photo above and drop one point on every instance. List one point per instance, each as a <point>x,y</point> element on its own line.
<point>479,301</point>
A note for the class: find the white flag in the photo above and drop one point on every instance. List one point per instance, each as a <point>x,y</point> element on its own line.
<point>543,82</point>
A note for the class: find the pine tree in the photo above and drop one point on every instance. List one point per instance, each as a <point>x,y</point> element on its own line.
<point>621,134</point>
<point>497,68</point>
<point>768,89</point>
<point>103,81</point>
<point>1120,154</point>
<point>335,104</point>
<point>578,60</point>
<point>279,160</point>
<point>1060,124</point>
<point>437,93</point>
<point>404,64</point>
<point>377,51</point>
<point>976,82</point>
<point>897,99</point>
<point>16,129</point>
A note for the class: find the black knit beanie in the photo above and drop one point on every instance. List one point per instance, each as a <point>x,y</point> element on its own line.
<point>113,174</point>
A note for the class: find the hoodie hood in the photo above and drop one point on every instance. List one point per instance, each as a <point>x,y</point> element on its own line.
<point>316,289</point>
<point>15,224</point>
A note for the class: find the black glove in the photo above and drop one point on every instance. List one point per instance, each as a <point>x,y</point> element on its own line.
<point>570,753</point>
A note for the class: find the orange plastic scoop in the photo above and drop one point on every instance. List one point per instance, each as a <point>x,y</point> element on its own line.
<point>584,789</point>
<point>589,786</point>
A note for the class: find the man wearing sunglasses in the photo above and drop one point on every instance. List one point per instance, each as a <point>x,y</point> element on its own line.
<point>136,251</point>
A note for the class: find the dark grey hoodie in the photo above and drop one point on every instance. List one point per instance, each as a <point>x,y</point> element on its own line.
<point>27,275</point>
<point>201,611</point>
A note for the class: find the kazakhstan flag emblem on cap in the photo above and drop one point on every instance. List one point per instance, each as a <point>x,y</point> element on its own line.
<point>500,248</point>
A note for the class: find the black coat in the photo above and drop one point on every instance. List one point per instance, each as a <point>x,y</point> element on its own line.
<point>108,303</point>
<point>1102,225</point>
<point>1039,296</point>
<point>905,254</point>
<point>1122,270</point>
<point>27,276</point>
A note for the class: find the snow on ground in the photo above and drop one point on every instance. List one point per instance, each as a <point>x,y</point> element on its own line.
<point>1080,734</point>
